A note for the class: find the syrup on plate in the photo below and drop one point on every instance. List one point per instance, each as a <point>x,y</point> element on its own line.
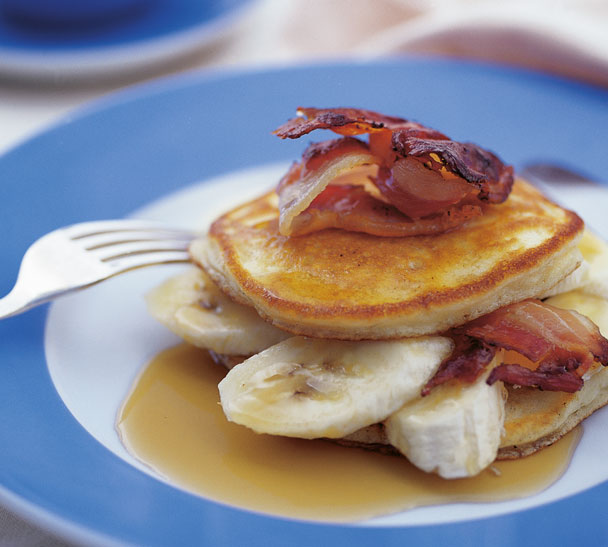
<point>172,421</point>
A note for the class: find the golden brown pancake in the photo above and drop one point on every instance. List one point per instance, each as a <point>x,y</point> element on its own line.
<point>350,285</point>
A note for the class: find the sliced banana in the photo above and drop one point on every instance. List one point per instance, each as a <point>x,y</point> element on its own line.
<point>595,252</point>
<point>194,308</point>
<point>591,276</point>
<point>575,280</point>
<point>591,306</point>
<point>455,431</point>
<point>310,388</point>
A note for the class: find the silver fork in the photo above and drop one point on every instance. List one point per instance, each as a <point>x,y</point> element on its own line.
<point>81,255</point>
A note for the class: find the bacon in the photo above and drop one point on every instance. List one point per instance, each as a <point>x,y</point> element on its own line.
<point>318,154</point>
<point>422,173</point>
<point>547,378</point>
<point>352,208</point>
<point>544,334</point>
<point>477,166</point>
<point>321,164</point>
<point>562,344</point>
<point>468,360</point>
<point>347,121</point>
<point>418,191</point>
<point>307,204</point>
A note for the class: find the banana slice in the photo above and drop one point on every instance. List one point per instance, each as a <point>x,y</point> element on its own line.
<point>595,251</point>
<point>312,388</point>
<point>592,275</point>
<point>575,280</point>
<point>591,306</point>
<point>194,308</point>
<point>455,431</point>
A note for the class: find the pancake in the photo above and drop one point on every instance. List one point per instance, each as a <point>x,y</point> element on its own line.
<point>532,418</point>
<point>392,299</point>
<point>354,286</point>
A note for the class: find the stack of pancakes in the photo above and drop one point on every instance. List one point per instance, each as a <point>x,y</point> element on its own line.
<point>336,332</point>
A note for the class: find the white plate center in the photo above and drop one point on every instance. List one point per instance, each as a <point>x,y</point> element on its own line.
<point>97,342</point>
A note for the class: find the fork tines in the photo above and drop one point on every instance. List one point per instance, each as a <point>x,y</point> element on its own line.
<point>130,226</point>
<point>114,240</point>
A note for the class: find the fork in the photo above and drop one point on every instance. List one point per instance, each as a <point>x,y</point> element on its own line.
<point>81,255</point>
<point>551,175</point>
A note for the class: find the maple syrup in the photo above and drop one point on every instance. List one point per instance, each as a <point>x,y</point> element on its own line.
<point>172,421</point>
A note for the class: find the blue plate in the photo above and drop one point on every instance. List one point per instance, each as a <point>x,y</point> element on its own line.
<point>157,31</point>
<point>144,143</point>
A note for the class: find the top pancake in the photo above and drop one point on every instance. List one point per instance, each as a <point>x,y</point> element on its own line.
<point>355,286</point>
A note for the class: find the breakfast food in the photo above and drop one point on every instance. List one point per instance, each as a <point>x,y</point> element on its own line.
<point>403,293</point>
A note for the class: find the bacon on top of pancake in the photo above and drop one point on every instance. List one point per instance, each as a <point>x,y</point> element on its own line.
<point>431,183</point>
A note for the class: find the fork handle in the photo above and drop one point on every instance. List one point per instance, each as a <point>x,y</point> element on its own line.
<point>16,302</point>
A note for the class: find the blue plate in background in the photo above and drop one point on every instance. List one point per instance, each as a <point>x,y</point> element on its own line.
<point>142,144</point>
<point>156,31</point>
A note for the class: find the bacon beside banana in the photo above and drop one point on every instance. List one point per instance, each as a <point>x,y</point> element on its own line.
<point>560,347</point>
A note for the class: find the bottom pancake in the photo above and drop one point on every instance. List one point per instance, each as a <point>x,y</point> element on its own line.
<point>533,419</point>
<point>538,418</point>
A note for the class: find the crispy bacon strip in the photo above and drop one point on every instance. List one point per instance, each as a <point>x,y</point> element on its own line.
<point>321,164</point>
<point>467,160</point>
<point>563,344</point>
<point>347,121</point>
<point>353,208</point>
<point>418,191</point>
<point>423,172</point>
<point>544,334</point>
<point>468,360</point>
<point>546,377</point>
<point>477,166</point>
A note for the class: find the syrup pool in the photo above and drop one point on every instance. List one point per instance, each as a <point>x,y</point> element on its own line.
<point>172,421</point>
